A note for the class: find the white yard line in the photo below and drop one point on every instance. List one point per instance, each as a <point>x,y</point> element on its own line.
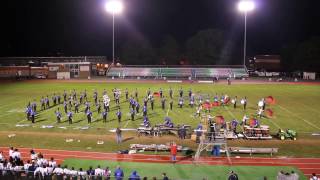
<point>306,121</point>
<point>231,114</point>
<point>126,124</point>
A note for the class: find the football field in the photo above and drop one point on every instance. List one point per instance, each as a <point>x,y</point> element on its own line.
<point>296,107</point>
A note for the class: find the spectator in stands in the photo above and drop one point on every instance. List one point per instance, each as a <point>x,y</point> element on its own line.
<point>233,176</point>
<point>33,155</point>
<point>90,172</point>
<point>314,177</point>
<point>1,168</point>
<point>16,155</point>
<point>58,172</point>
<point>52,162</point>
<point>40,172</point>
<point>154,178</point>
<point>107,173</point>
<point>294,175</point>
<point>73,174</point>
<point>134,176</point>
<point>26,166</point>
<point>1,156</point>
<point>118,173</point>
<point>31,169</point>
<point>82,174</point>
<point>66,172</point>
<point>11,152</point>
<point>98,172</point>
<point>165,177</point>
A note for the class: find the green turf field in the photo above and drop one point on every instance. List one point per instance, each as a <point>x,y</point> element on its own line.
<point>296,108</point>
<point>186,172</point>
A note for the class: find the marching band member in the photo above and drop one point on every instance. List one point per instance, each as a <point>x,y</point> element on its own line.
<point>70,117</point>
<point>58,115</point>
<point>104,116</point>
<point>89,116</point>
<point>244,102</point>
<point>234,102</point>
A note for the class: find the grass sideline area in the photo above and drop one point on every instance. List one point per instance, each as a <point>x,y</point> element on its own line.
<point>185,172</point>
<point>296,108</point>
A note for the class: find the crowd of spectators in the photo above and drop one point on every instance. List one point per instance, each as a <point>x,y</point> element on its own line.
<point>40,168</point>
<point>287,175</point>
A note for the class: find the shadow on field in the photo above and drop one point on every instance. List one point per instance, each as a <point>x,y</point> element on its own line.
<point>75,122</point>
<point>39,120</point>
<point>127,139</point>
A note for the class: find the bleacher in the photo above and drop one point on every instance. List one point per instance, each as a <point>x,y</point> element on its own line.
<point>177,73</point>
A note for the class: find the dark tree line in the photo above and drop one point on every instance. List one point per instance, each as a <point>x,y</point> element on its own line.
<point>213,47</point>
<point>303,56</point>
<point>207,47</point>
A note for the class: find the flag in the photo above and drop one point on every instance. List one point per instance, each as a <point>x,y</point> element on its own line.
<point>226,100</point>
<point>270,100</point>
<point>206,105</point>
<point>219,120</point>
<point>215,104</point>
<point>269,112</point>
<point>156,94</point>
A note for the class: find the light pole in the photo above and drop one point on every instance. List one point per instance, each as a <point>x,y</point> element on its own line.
<point>245,6</point>
<point>113,7</point>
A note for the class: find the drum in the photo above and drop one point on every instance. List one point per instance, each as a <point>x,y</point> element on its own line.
<point>245,127</point>
<point>265,132</point>
<point>249,131</point>
<point>257,132</point>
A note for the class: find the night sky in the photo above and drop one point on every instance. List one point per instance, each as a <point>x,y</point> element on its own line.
<point>82,27</point>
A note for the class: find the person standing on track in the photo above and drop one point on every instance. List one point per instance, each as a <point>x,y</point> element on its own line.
<point>118,135</point>
<point>173,151</point>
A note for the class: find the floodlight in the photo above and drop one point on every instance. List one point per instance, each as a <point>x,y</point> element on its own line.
<point>246,5</point>
<point>114,6</point>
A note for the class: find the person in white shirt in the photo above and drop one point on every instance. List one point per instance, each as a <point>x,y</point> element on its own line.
<point>1,166</point>
<point>98,172</point>
<point>73,174</point>
<point>41,160</point>
<point>66,172</point>
<point>58,171</point>
<point>50,170</point>
<point>1,156</point>
<point>41,171</point>
<point>82,174</point>
<point>11,152</point>
<point>33,155</point>
<point>16,155</point>
<point>107,173</point>
<point>52,162</point>
<point>26,166</point>
<point>314,177</point>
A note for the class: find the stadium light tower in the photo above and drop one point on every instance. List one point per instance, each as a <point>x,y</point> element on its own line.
<point>245,6</point>
<point>113,7</point>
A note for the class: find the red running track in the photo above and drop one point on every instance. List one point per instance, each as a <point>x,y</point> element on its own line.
<point>306,165</point>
